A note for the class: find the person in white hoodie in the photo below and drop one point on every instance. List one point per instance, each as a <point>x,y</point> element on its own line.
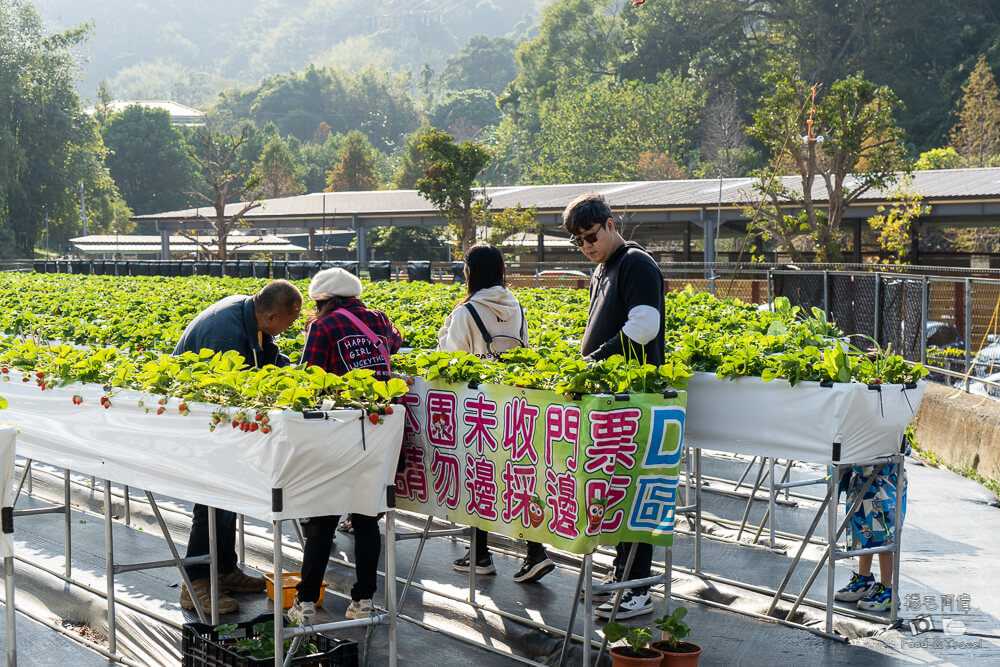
<point>488,322</point>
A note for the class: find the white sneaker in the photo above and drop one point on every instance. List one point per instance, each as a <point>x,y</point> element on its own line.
<point>359,609</point>
<point>633,604</point>
<point>302,613</point>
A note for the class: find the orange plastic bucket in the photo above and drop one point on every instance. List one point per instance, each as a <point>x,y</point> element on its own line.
<point>289,580</point>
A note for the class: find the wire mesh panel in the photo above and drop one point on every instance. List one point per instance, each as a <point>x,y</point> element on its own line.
<point>801,289</point>
<point>984,314</point>
<point>852,305</point>
<point>900,317</point>
<point>912,319</point>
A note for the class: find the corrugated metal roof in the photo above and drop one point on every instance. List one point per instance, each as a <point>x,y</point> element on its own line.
<point>943,184</point>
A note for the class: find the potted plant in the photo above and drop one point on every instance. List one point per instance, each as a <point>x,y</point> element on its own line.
<point>635,652</point>
<point>675,652</point>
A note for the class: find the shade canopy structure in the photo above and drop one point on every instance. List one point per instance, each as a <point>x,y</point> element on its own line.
<point>650,211</point>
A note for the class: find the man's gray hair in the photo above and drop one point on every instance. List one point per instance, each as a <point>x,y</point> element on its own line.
<point>279,297</point>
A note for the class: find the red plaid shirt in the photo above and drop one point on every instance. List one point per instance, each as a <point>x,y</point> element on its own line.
<point>338,346</point>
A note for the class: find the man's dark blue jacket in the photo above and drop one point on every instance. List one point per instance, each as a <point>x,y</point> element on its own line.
<point>230,324</point>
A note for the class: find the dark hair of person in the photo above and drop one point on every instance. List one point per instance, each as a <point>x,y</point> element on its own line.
<point>485,268</point>
<point>324,307</point>
<point>584,212</point>
<point>279,297</point>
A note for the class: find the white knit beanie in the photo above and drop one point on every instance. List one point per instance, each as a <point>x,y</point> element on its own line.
<point>334,282</point>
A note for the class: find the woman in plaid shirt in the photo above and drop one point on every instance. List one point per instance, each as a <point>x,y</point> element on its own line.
<point>342,336</point>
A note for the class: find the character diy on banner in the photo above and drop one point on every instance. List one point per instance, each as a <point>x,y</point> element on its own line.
<point>531,465</point>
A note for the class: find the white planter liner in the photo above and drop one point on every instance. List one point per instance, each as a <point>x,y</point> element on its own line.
<point>339,464</point>
<point>757,418</point>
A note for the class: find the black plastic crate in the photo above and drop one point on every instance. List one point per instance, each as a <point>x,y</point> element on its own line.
<point>200,647</point>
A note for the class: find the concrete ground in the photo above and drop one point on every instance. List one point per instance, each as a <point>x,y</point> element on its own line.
<point>951,547</point>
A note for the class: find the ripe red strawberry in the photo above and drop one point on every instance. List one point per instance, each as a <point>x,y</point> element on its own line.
<point>160,410</point>
<point>162,401</point>
<point>409,382</point>
<point>182,407</point>
<point>236,423</point>
<point>24,379</point>
<point>39,375</point>
<point>107,405</point>
<point>265,429</point>
<point>77,400</point>
<point>253,427</point>
<point>265,420</point>
<point>373,417</point>
<point>388,409</point>
<point>258,416</point>
<point>4,370</point>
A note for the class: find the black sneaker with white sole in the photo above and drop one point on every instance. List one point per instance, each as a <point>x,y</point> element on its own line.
<point>533,570</point>
<point>483,565</point>
<point>632,604</point>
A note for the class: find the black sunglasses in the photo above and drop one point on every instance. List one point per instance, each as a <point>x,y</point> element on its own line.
<point>591,238</point>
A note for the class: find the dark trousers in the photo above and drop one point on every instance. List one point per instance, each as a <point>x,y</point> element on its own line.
<point>536,552</point>
<point>225,541</point>
<point>641,564</point>
<point>319,532</point>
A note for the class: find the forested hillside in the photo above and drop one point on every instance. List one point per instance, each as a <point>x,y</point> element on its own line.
<point>310,95</point>
<point>189,50</point>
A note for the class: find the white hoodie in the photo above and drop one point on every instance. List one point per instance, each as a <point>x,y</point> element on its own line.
<point>500,312</point>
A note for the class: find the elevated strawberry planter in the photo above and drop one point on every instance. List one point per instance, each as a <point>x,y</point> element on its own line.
<point>334,463</point>
<point>816,422</point>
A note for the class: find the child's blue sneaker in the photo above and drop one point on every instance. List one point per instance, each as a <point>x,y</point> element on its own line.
<point>880,599</point>
<point>859,587</point>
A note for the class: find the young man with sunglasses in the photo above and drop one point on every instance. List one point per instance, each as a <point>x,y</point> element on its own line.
<point>626,318</point>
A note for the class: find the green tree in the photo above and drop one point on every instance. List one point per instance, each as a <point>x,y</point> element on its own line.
<point>510,101</point>
<point>485,63</point>
<point>375,102</point>
<point>938,158</point>
<point>223,182</point>
<point>508,222</point>
<point>861,148</point>
<point>48,146</point>
<point>319,159</point>
<point>976,135</point>
<point>102,107</point>
<point>595,132</point>
<point>148,159</point>
<point>466,110</point>
<point>892,223</point>
<point>278,171</point>
<point>400,244</point>
<point>356,170</point>
<point>449,180</point>
<point>412,162</point>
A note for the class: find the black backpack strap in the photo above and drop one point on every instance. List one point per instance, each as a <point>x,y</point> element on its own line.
<point>482,328</point>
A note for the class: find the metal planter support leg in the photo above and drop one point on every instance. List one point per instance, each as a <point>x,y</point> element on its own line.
<point>279,644</point>
<point>67,531</point>
<point>8,577</point>
<point>390,581</point>
<point>109,553</point>
<point>213,566</point>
